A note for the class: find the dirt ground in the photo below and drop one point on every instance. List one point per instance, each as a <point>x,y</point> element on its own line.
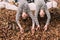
<point>9,30</point>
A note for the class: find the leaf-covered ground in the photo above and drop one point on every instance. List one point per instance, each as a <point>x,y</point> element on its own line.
<point>9,30</point>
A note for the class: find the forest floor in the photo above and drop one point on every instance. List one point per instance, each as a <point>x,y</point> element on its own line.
<point>9,30</point>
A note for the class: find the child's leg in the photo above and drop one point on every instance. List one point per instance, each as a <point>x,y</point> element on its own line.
<point>32,17</point>
<point>33,22</point>
<point>36,16</point>
<point>19,11</point>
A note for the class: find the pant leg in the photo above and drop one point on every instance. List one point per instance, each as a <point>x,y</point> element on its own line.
<point>27,9</point>
<point>36,14</point>
<point>38,8</point>
<point>19,11</point>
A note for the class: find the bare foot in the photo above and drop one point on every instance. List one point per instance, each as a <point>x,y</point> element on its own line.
<point>22,30</point>
<point>45,28</point>
<point>33,31</point>
<point>38,27</point>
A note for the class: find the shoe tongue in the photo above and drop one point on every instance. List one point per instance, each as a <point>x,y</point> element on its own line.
<point>30,1</point>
